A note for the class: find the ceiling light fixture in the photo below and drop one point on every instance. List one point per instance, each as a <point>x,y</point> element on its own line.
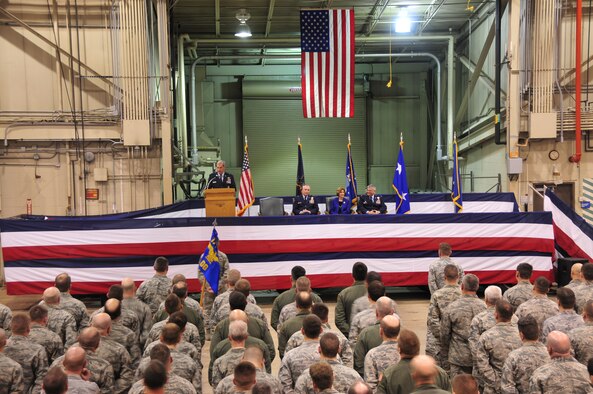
<point>403,23</point>
<point>243,30</point>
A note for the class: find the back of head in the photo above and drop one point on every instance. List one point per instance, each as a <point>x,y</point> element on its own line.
<point>373,276</point>
<point>359,271</point>
<point>179,319</point>
<point>180,290</point>
<point>504,310</point>
<point>311,326</point>
<point>525,270</point>
<point>587,271</point>
<point>588,310</point>
<point>558,344</point>
<point>170,334</point>
<point>155,375</point>
<point>322,375</point>
<point>303,300</point>
<point>244,376</point>
<point>74,359</point>
<point>296,272</point>
<point>161,353</point>
<point>590,366</point>
<point>566,297</point>
<point>451,272</point>
<point>465,384</point>
<point>423,369</point>
<point>238,314</point>
<point>360,387</point>
<point>408,343</point>
<point>243,286</point>
<point>390,326</point>
<point>63,282</point>
<point>445,249</point>
<point>261,387</point>
<point>116,291</point>
<point>542,285</point>
<point>113,308</point>
<point>2,338</point>
<point>238,330</point>
<point>384,307</point>
<point>178,278</point>
<point>128,285</point>
<point>161,265</point>
<point>492,294</point>
<point>528,327</point>
<point>321,311</point>
<point>471,283</point>
<point>89,338</point>
<point>329,344</point>
<point>172,304</point>
<point>576,269</point>
<point>303,284</point>
<point>102,322</point>
<point>51,296</point>
<point>237,300</point>
<point>37,313</point>
<point>20,324</point>
<point>254,355</point>
<point>375,290</point>
<point>55,381</point>
<point>233,277</point>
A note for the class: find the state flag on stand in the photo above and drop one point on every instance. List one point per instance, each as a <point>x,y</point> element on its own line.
<point>209,264</point>
<point>246,192</point>
<point>351,188</point>
<point>456,196</point>
<point>300,178</point>
<point>400,183</point>
<point>327,63</point>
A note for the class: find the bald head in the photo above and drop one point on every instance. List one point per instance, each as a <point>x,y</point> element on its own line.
<point>74,360</point>
<point>63,281</point>
<point>128,285</point>
<point>89,339</point>
<point>558,344</point>
<point>575,271</point>
<point>390,327</point>
<point>384,307</point>
<point>113,308</point>
<point>51,296</point>
<point>423,370</point>
<point>102,322</point>
<point>238,314</point>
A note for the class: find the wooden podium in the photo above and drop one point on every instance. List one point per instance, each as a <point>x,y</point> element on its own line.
<point>220,202</point>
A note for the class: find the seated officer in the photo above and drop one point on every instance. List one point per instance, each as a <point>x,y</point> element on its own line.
<point>305,204</point>
<point>371,203</point>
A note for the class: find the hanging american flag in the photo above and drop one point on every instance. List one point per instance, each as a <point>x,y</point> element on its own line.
<point>327,63</point>
<point>246,193</point>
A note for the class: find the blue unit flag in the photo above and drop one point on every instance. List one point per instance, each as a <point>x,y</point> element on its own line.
<point>209,264</point>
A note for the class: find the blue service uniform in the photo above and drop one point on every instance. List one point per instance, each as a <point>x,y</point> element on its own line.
<point>369,203</point>
<point>301,203</point>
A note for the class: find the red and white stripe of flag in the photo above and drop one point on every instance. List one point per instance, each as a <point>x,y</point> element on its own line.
<point>246,193</point>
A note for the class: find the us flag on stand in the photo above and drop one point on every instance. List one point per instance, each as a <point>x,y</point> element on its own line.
<point>246,193</point>
<point>327,63</point>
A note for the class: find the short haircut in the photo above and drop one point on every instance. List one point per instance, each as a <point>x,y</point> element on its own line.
<point>297,271</point>
<point>233,277</point>
<point>172,303</point>
<point>359,271</point>
<point>63,282</point>
<point>372,276</point>
<point>390,331</point>
<point>504,309</point>
<point>55,381</point>
<point>113,308</point>
<point>243,286</point>
<point>178,278</point>
<point>20,324</point>
<point>89,338</point>
<point>360,387</point>
<point>261,387</point>
<point>155,375</point>
<point>116,291</point>
<point>525,270</point>
<point>180,289</point>
<point>38,312</point>
<point>590,366</point>
<point>161,353</point>
<point>311,326</point>
<point>492,294</point>
<point>178,318</point>
<point>303,300</point>
<point>566,297</point>
<point>588,309</point>
<point>528,327</point>
<point>244,374</point>
<point>320,310</point>
<point>376,290</point>
<point>464,384</point>
<point>445,248</point>
<point>171,334</point>
<point>72,361</point>
<point>471,282</point>
<point>237,300</point>
<point>238,330</point>
<point>322,375</point>
<point>587,271</point>
<point>329,344</point>
<point>303,284</point>
<point>408,343</point>
<point>542,285</point>
<point>451,272</point>
<point>161,264</point>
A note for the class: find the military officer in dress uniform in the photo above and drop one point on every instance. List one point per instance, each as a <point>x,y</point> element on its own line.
<point>370,203</point>
<point>305,204</point>
<point>220,179</point>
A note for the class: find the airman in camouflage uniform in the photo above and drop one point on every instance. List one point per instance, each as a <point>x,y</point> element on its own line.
<point>121,334</point>
<point>183,347</point>
<point>581,338</point>
<point>253,355</point>
<point>154,290</point>
<point>294,324</point>
<point>11,378</point>
<point>174,385</point>
<point>252,310</point>
<point>584,292</point>
<point>540,306</point>
<point>436,271</point>
<point>182,366</point>
<point>289,295</point>
<point>70,304</point>
<point>223,298</point>
<point>523,290</point>
<point>5,318</point>
<point>344,377</point>
<point>58,320</point>
<point>567,319</point>
<point>367,317</point>
<point>521,362</point>
<point>456,325</point>
<point>360,304</point>
<point>142,311</point>
<point>575,275</point>
<point>386,354</point>
<point>128,319</point>
<point>346,297</point>
<point>346,353</point>
<point>31,356</point>
<point>51,342</point>
<point>439,300</point>
<point>563,374</point>
<point>225,365</point>
<point>189,331</point>
<point>370,337</point>
<point>224,346</point>
<point>494,346</point>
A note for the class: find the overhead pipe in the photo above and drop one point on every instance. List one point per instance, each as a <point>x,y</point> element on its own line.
<point>497,68</point>
<point>577,94</point>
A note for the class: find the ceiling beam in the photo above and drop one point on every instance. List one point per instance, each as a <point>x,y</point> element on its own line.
<point>374,16</point>
<point>269,21</point>
<point>217,16</point>
<point>430,13</point>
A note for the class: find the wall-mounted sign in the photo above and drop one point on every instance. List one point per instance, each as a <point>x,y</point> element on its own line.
<point>585,204</point>
<point>92,194</point>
